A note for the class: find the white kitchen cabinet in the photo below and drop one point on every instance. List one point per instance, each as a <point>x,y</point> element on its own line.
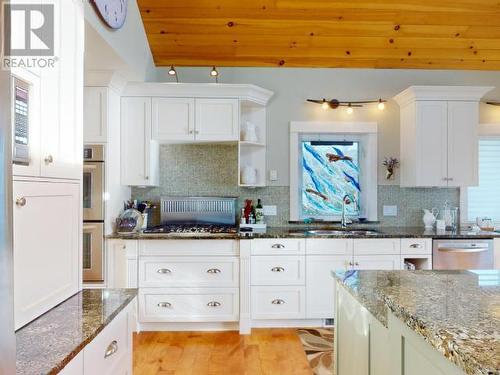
<point>75,367</point>
<point>439,135</point>
<point>278,270</point>
<point>320,287</point>
<point>140,154</point>
<point>173,119</point>
<point>463,164</point>
<point>47,230</point>
<point>377,262</point>
<point>217,119</point>
<point>278,302</point>
<point>62,99</point>
<point>121,265</point>
<point>95,114</point>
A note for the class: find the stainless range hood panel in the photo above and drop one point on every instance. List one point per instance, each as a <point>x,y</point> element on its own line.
<point>198,210</point>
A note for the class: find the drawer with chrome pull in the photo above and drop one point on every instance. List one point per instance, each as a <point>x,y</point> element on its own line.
<point>188,305</point>
<point>105,353</point>
<point>280,302</point>
<point>278,270</point>
<point>166,272</point>
<point>278,246</point>
<point>416,246</point>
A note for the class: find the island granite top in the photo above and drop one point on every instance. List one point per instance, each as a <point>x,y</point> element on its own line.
<point>295,231</point>
<point>50,342</point>
<point>457,312</point>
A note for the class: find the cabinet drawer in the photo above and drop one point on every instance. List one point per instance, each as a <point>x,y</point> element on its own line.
<point>188,247</point>
<point>416,246</point>
<point>278,246</point>
<point>318,246</point>
<point>109,349</point>
<point>284,302</point>
<point>189,305</point>
<point>377,246</point>
<point>278,270</point>
<point>191,272</point>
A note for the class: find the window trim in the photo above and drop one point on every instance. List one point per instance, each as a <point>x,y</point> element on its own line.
<point>485,131</point>
<point>299,129</point>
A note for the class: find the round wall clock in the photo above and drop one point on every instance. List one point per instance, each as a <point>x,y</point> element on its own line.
<point>113,12</point>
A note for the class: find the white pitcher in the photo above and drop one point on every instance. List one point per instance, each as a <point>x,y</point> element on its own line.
<point>430,217</point>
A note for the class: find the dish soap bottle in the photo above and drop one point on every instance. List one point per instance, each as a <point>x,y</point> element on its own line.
<point>259,213</point>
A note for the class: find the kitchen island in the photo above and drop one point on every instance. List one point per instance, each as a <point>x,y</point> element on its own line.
<point>418,322</point>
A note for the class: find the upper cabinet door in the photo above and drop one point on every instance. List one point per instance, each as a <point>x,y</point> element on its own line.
<point>62,99</point>
<point>95,114</point>
<point>463,120</point>
<point>173,119</point>
<point>217,120</point>
<point>431,143</point>
<point>139,152</point>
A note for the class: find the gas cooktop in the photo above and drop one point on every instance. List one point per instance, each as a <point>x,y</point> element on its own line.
<point>192,229</point>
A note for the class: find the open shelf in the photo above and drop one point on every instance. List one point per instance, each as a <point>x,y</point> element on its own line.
<point>421,262</point>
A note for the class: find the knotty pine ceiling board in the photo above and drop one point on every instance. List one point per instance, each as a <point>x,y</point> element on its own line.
<point>421,34</point>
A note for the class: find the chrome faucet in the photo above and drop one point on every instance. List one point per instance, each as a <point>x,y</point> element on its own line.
<point>344,221</point>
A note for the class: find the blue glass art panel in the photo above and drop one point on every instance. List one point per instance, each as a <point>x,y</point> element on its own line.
<point>330,170</point>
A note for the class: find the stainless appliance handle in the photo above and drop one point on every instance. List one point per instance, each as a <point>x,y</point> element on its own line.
<point>463,249</point>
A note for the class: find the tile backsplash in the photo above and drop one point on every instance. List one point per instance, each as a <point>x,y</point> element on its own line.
<point>203,170</point>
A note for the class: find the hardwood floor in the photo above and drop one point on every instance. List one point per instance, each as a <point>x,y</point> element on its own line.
<point>264,352</point>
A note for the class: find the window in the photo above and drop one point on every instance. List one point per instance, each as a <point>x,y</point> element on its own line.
<point>484,200</point>
<point>330,171</point>
<point>329,160</point>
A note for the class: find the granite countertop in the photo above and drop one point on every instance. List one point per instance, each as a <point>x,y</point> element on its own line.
<point>457,312</point>
<point>295,231</point>
<point>47,344</point>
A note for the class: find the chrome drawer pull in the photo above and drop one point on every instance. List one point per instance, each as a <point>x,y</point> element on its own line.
<point>416,246</point>
<point>213,304</point>
<point>165,304</point>
<point>278,302</point>
<point>21,202</point>
<point>214,270</point>
<point>277,269</point>
<point>112,349</point>
<point>164,270</point>
<point>278,246</point>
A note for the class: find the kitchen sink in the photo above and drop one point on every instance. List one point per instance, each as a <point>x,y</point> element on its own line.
<point>336,232</point>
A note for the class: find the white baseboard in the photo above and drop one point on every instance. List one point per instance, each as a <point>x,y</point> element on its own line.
<point>189,326</point>
<point>289,323</point>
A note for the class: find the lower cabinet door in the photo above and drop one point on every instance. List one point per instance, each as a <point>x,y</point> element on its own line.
<point>47,229</point>
<point>110,351</point>
<point>320,285</point>
<point>377,262</point>
<point>278,302</point>
<point>188,305</point>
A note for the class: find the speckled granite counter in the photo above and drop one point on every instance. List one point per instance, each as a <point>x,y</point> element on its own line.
<point>301,232</point>
<point>457,312</point>
<point>47,344</point>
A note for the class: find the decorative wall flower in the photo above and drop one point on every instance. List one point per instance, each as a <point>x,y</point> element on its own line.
<point>390,165</point>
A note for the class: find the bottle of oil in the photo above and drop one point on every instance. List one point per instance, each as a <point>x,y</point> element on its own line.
<point>259,212</point>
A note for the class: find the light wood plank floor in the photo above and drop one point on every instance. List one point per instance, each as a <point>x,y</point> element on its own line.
<point>264,352</point>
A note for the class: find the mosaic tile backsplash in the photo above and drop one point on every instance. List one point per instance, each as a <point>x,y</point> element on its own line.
<point>212,170</point>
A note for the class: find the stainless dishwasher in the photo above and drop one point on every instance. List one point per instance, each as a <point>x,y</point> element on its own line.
<point>467,254</point>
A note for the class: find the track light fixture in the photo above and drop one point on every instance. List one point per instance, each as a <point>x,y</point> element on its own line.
<point>494,103</point>
<point>214,73</point>
<point>349,109</point>
<point>335,103</point>
<point>172,72</point>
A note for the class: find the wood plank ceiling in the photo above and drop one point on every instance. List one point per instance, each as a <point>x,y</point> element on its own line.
<point>427,34</point>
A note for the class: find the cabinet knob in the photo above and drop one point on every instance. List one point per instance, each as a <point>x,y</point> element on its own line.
<point>351,264</point>
<point>196,132</point>
<point>111,349</point>
<point>213,304</point>
<point>356,263</point>
<point>278,246</point>
<point>49,159</point>
<point>146,177</point>
<point>190,132</point>
<point>165,304</point>
<point>21,202</point>
<point>277,269</point>
<point>214,270</point>
<point>278,302</point>
<point>164,270</point>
